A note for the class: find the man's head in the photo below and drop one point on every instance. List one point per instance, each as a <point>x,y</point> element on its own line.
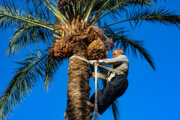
<point>117,52</point>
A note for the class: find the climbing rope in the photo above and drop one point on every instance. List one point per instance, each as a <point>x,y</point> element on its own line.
<point>96,96</point>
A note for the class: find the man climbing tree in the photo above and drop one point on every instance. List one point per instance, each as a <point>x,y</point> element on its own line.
<point>73,27</point>
<point>117,82</point>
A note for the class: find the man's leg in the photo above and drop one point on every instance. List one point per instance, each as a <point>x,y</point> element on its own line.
<point>113,90</point>
<point>119,85</point>
<point>92,99</point>
<point>104,100</point>
<point>91,105</point>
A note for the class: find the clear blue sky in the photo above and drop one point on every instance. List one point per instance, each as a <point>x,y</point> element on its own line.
<point>151,95</point>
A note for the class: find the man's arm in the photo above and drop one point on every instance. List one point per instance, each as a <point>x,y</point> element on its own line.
<point>117,60</point>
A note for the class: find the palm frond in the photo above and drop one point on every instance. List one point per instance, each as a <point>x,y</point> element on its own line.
<point>89,9</point>
<point>115,6</point>
<point>115,110</point>
<point>54,10</point>
<point>107,4</point>
<point>26,35</point>
<point>48,6</point>
<point>11,17</point>
<point>28,1</point>
<point>26,76</point>
<point>125,43</point>
<point>52,65</point>
<point>159,15</point>
<point>41,12</point>
<point>135,46</point>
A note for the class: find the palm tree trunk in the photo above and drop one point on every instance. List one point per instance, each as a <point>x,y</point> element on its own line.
<point>78,85</point>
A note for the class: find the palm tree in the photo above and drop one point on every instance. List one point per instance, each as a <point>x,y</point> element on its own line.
<point>72,27</point>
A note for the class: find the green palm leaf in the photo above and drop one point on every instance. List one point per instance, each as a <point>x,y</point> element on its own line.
<point>115,110</point>
<point>114,8</point>
<point>125,43</point>
<point>54,10</point>
<point>158,15</point>
<point>10,16</point>
<point>26,35</point>
<point>26,76</point>
<point>52,65</point>
<point>50,6</point>
<point>116,4</point>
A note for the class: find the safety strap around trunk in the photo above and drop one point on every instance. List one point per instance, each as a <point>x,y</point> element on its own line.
<point>85,60</point>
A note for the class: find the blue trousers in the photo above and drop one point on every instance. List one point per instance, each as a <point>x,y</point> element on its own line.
<point>114,89</point>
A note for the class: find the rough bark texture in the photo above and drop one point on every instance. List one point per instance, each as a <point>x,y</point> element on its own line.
<point>78,85</point>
